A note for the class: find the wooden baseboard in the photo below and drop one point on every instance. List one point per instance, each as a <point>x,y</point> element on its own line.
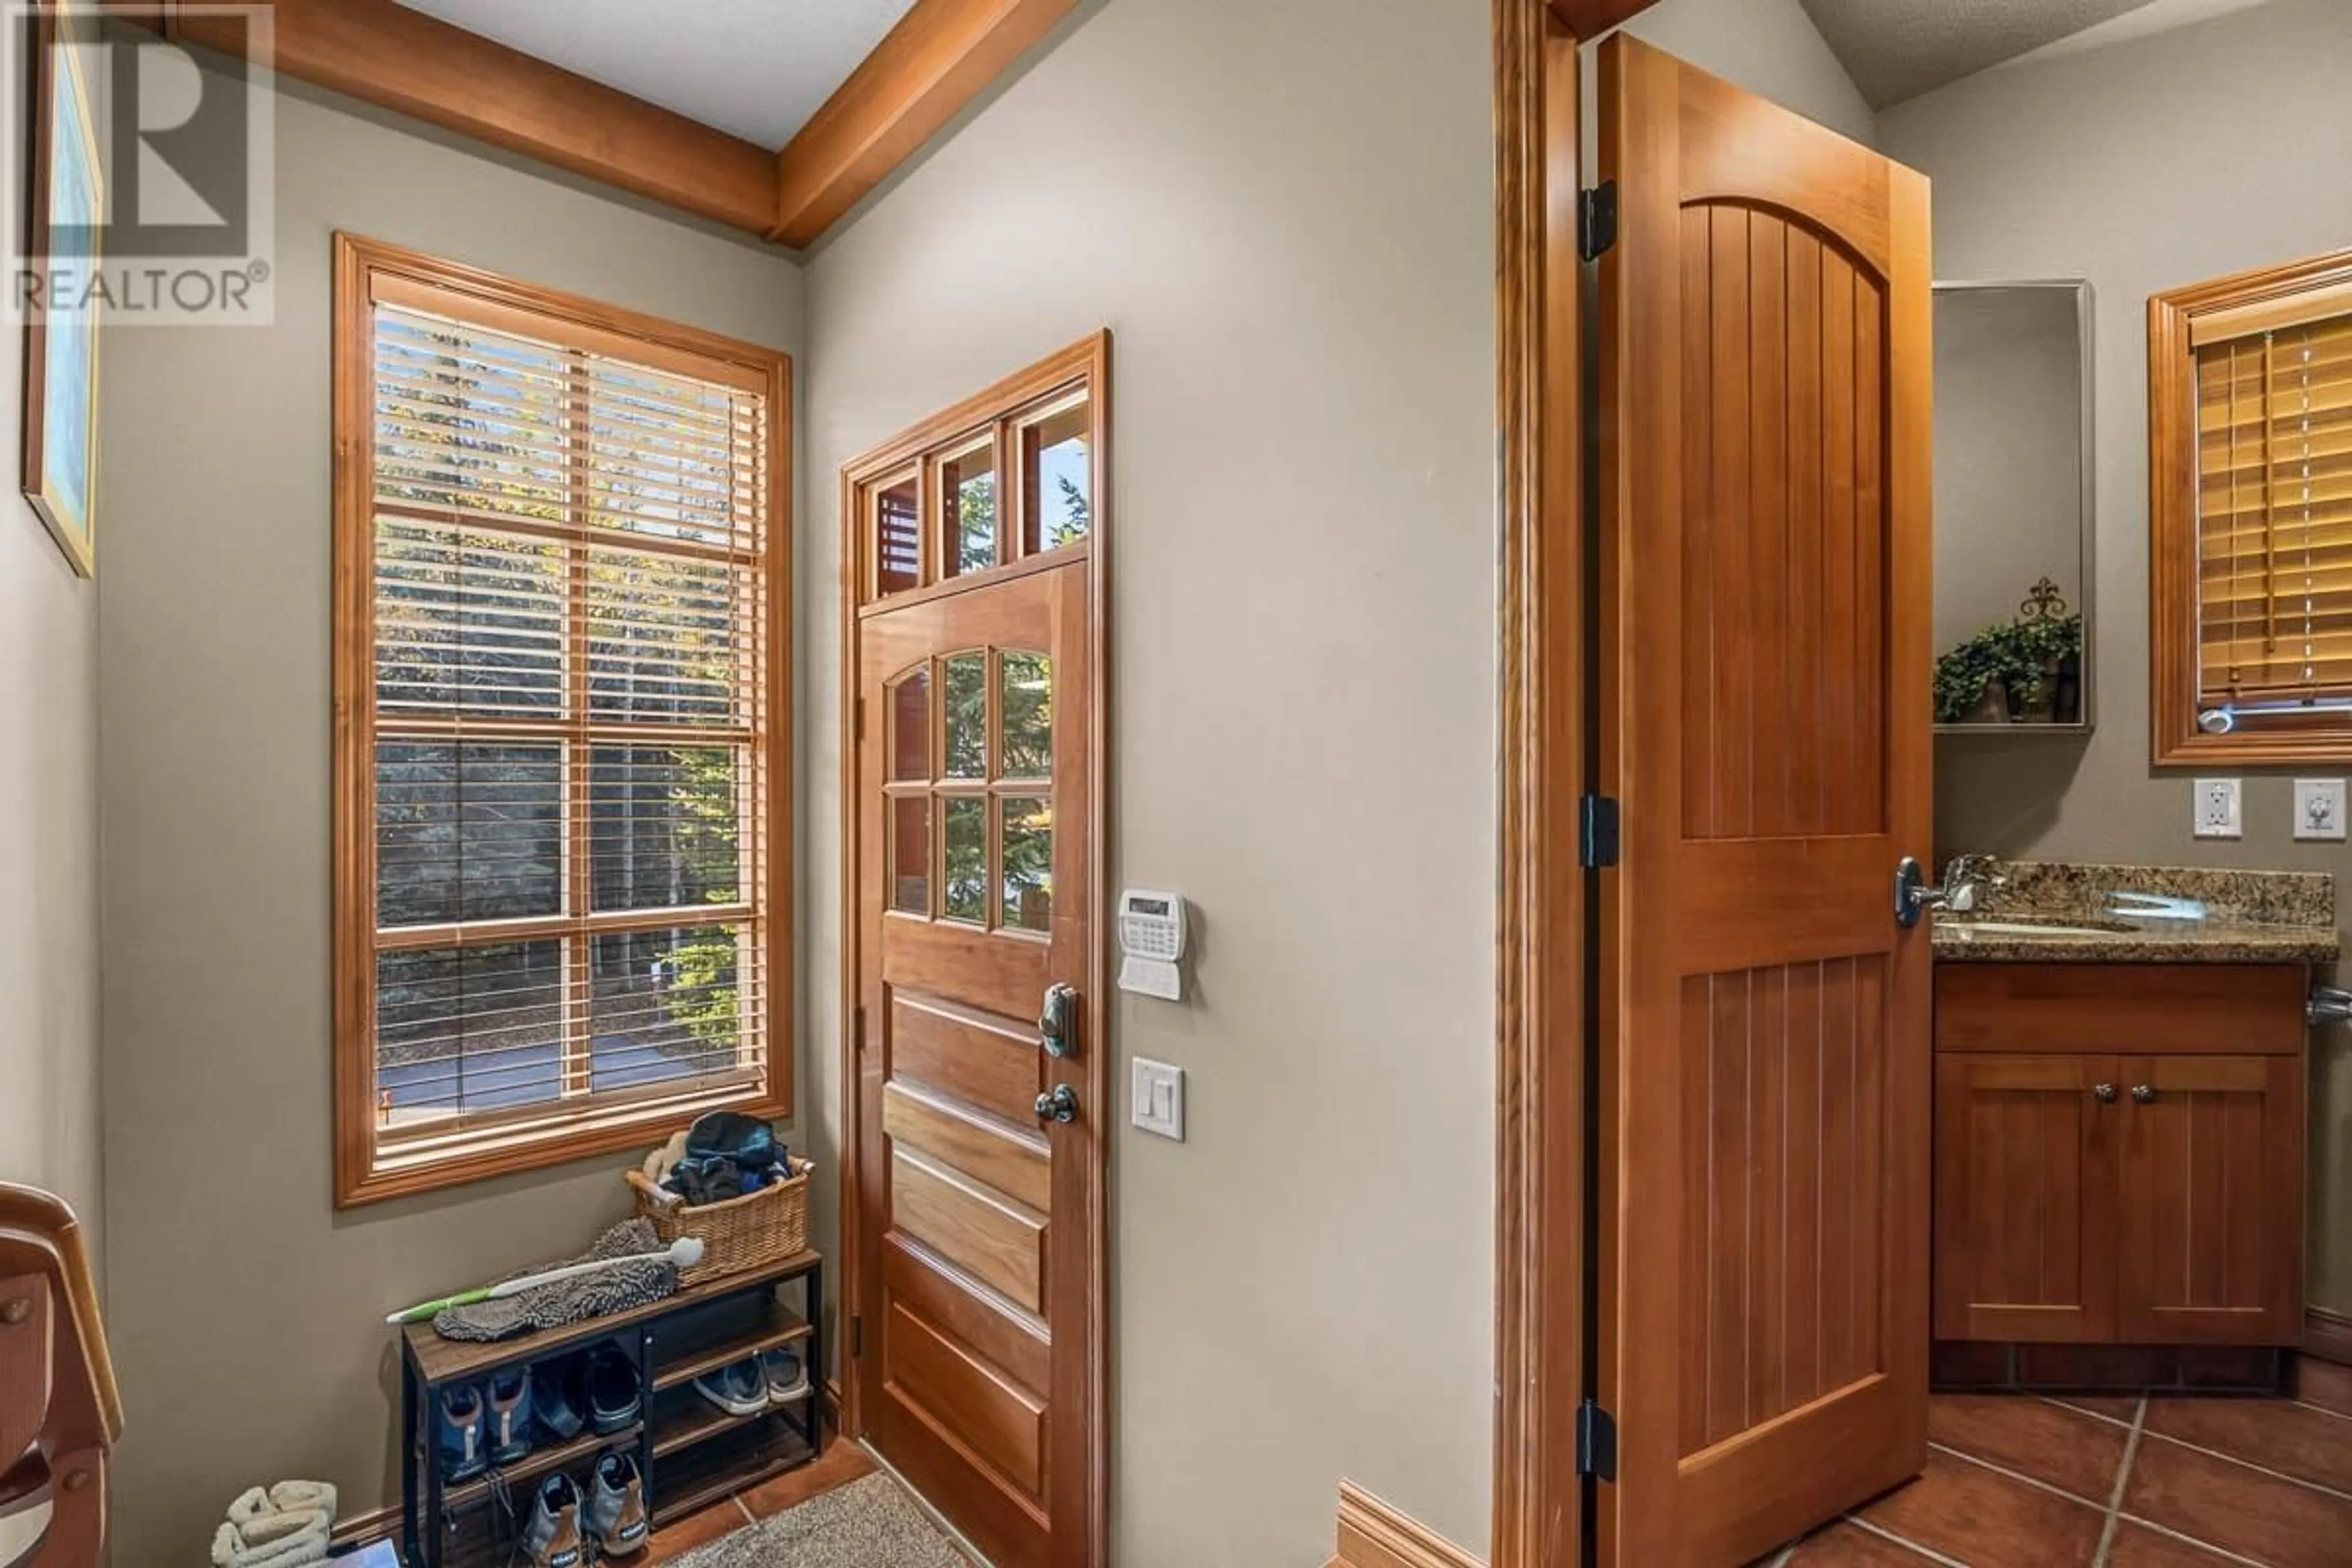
<point>1374,1535</point>
<point>365,1529</point>
<point>2327,1335</point>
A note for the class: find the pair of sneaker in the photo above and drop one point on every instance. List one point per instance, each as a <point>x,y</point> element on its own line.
<point>483,1424</point>
<point>611,1515</point>
<point>492,1423</point>
<point>746,1387</point>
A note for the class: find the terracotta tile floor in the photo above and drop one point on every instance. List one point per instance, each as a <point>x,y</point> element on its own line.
<point>843,1463</point>
<point>2168,1481</point>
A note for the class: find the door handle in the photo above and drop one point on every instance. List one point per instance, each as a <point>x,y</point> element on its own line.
<point>2144,1093</point>
<point>2105,1093</point>
<point>1912,894</point>
<point>1057,1021</point>
<point>1058,1104</point>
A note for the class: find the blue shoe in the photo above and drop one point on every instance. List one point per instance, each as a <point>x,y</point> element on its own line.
<point>555,1398</point>
<point>509,1402</point>
<point>613,1400</point>
<point>738,1388</point>
<point>786,1373</point>
<point>461,1426</point>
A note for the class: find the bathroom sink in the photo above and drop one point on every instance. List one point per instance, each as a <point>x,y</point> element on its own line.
<point>2039,925</point>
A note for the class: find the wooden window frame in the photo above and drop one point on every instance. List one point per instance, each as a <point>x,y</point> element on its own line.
<point>2174,686</point>
<point>367,271</point>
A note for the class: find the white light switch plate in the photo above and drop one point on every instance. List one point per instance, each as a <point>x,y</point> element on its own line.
<point>2214,810</point>
<point>2319,808</point>
<point>1157,1098</point>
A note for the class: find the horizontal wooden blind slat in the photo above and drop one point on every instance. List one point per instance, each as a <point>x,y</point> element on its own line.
<point>571,760</point>
<point>2274,486</point>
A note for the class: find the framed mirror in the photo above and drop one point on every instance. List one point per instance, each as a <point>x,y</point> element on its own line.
<point>2013,507</point>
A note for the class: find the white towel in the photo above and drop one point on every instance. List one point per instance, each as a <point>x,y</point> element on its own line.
<point>288,1526</point>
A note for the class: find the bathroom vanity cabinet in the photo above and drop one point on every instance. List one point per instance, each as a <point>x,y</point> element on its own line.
<point>2119,1152</point>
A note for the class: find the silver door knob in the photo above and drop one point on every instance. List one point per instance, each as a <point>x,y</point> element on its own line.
<point>1912,897</point>
<point>1058,1104</point>
<point>2105,1093</point>
<point>1057,1021</point>
<point>2144,1093</point>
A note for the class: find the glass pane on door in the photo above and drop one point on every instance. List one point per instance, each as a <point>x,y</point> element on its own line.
<point>1025,701</point>
<point>910,848</point>
<point>965,890</point>
<point>966,720</point>
<point>1057,477</point>
<point>898,538</point>
<point>909,705</point>
<point>1028,865</point>
<point>968,500</point>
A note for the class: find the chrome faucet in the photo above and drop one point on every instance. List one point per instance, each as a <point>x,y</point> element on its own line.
<point>1968,879</point>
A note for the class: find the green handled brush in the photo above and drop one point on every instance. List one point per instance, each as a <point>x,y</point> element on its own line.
<point>685,1253</point>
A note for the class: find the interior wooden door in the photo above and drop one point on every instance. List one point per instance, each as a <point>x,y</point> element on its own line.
<point>2025,1197</point>
<point>976,1379</point>
<point>1764,1074</point>
<point>2212,1200</point>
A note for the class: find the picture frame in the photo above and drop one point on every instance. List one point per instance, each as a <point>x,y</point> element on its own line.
<point>65,178</point>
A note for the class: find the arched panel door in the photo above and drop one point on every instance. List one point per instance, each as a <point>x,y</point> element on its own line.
<point>1763,1178</point>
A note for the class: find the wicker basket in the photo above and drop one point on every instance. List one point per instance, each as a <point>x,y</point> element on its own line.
<point>739,1234</point>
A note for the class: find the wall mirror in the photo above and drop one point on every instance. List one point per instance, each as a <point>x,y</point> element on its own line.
<point>2013,518</point>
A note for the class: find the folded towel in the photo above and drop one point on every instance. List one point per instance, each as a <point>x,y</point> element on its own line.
<point>295,1538</point>
<point>288,1526</point>
<point>296,1496</point>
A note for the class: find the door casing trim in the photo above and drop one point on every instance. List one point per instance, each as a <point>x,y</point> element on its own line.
<point>1544,627</point>
<point>1089,357</point>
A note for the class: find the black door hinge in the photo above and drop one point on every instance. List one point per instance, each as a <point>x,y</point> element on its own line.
<point>1596,220</point>
<point>857,1025</point>
<point>1596,1442</point>
<point>857,1338</point>
<point>1596,831</point>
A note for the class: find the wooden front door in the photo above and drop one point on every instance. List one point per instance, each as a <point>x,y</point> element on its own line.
<point>979,1210</point>
<point>1764,1083</point>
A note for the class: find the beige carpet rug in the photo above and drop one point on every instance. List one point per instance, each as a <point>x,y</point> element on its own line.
<point>870,1523</point>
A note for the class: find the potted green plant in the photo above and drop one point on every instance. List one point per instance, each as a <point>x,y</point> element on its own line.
<point>2019,663</point>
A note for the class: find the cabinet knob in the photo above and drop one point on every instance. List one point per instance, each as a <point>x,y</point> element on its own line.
<point>2144,1093</point>
<point>2105,1093</point>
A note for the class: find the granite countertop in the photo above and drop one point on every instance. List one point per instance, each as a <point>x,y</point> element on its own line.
<point>2249,916</point>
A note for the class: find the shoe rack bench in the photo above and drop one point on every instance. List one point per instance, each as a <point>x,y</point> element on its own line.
<point>689,1453</point>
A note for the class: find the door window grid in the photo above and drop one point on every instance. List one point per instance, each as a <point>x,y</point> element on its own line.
<point>952,513</point>
<point>978,836</point>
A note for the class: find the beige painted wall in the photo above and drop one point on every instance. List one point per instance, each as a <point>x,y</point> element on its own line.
<point>247,1313</point>
<point>2123,165</point>
<point>1299,274</point>
<point>48,820</point>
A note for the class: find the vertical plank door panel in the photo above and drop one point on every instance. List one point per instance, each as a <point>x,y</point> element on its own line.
<point>1764,1082</point>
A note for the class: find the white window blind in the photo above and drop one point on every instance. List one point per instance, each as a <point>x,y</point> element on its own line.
<point>569,719</point>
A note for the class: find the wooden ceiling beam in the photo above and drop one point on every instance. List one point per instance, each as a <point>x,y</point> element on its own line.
<point>402,59</point>
<point>1588,19</point>
<point>941,55</point>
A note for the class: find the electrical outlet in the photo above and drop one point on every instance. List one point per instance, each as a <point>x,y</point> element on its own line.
<point>1156,1098</point>
<point>2214,810</point>
<point>2319,808</point>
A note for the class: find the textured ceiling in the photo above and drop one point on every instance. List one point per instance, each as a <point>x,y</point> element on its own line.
<point>756,68</point>
<point>1897,49</point>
